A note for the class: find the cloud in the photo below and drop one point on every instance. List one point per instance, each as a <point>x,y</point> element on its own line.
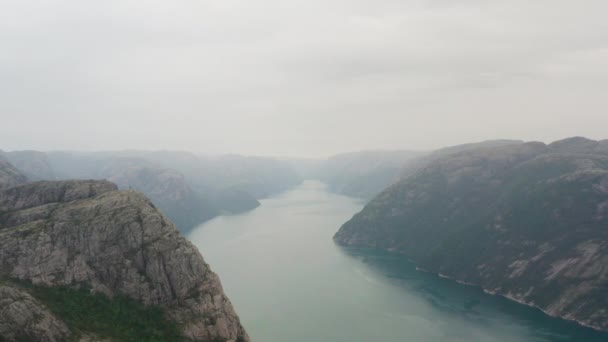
<point>298,77</point>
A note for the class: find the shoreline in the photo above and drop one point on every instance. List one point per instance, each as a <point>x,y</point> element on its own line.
<point>462,282</point>
<point>506,296</point>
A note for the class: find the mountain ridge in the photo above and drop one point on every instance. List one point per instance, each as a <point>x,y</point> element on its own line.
<point>188,188</point>
<point>89,233</point>
<point>522,220</point>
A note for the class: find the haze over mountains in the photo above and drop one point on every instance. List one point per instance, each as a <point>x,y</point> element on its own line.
<point>64,244</point>
<point>189,189</point>
<point>364,174</point>
<point>523,220</point>
<point>311,79</point>
<point>467,132</point>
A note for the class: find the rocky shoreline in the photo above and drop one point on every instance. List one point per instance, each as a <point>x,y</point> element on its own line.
<point>526,221</point>
<point>506,296</point>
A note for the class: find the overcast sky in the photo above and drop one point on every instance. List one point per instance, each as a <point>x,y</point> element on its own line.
<point>299,77</point>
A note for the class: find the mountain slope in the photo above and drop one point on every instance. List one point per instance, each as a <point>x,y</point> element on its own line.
<point>363,174</point>
<point>9,175</point>
<point>167,189</point>
<point>89,235</point>
<point>33,164</point>
<point>524,220</point>
<point>23,318</point>
<point>188,188</point>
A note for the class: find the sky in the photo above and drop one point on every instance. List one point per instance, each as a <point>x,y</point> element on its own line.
<point>302,78</point>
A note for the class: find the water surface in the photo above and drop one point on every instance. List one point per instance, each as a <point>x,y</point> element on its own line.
<point>290,283</point>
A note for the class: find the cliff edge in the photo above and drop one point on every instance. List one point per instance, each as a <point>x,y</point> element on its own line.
<point>88,235</point>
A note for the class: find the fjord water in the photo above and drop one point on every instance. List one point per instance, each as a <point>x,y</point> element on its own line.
<point>290,283</point>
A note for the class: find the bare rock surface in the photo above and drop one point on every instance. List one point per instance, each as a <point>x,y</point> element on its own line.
<point>9,175</point>
<point>75,233</point>
<point>40,193</point>
<point>23,318</point>
<point>527,221</point>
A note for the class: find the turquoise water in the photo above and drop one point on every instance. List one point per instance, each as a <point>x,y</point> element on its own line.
<point>289,282</point>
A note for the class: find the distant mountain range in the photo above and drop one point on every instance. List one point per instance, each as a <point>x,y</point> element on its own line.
<point>524,220</point>
<point>186,187</point>
<point>10,175</point>
<point>361,174</point>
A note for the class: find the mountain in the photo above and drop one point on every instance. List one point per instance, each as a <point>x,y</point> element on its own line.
<point>306,168</point>
<point>167,189</point>
<point>81,260</point>
<point>260,177</point>
<point>9,175</point>
<point>33,164</point>
<point>527,221</point>
<point>363,174</point>
<point>186,187</point>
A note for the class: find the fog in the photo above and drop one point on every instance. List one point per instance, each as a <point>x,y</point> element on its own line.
<point>299,78</point>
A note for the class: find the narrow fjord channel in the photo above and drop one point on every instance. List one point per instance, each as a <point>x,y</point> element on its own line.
<point>290,283</point>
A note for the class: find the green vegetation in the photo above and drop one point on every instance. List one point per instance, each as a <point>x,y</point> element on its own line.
<point>118,319</point>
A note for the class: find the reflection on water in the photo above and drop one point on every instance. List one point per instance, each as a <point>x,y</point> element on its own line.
<point>469,302</point>
<point>290,282</point>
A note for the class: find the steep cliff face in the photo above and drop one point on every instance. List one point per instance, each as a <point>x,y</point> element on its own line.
<point>525,220</point>
<point>88,234</point>
<point>189,189</point>
<point>9,175</point>
<point>167,189</point>
<point>23,318</point>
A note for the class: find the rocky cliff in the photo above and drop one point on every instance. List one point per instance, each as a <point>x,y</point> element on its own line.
<point>23,318</point>
<point>188,188</point>
<point>89,235</point>
<point>528,221</point>
<point>167,189</point>
<point>9,175</point>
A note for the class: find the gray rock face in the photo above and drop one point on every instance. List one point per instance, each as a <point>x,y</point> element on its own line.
<point>86,232</point>
<point>186,200</point>
<point>23,318</point>
<point>41,193</point>
<point>527,221</point>
<point>9,175</point>
<point>167,188</point>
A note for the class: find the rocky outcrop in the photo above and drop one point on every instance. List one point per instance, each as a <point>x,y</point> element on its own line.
<point>167,189</point>
<point>86,233</point>
<point>40,193</point>
<point>187,188</point>
<point>524,220</point>
<point>9,175</point>
<point>23,318</point>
